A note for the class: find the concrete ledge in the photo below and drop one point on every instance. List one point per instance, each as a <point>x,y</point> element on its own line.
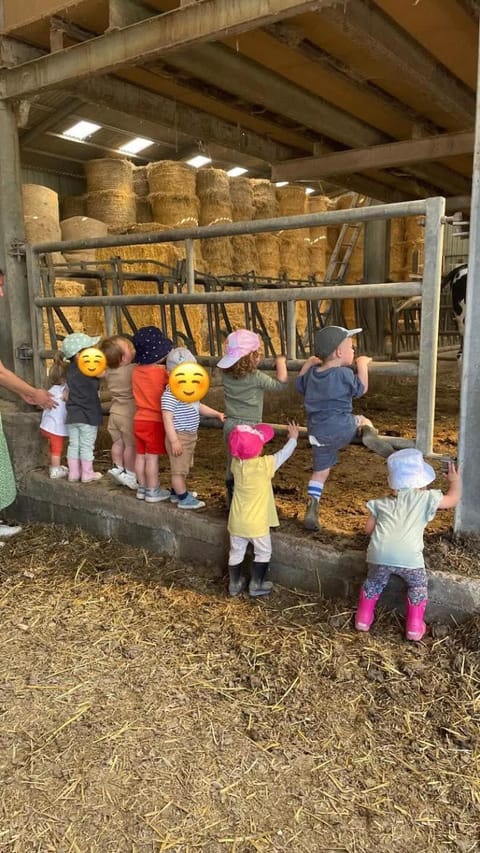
<point>202,540</point>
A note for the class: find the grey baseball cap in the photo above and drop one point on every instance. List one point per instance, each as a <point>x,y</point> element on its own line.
<point>330,337</point>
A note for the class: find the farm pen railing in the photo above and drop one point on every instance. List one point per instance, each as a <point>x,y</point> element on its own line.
<point>433,209</point>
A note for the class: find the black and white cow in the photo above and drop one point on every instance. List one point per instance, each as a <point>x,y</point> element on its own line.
<point>456,279</point>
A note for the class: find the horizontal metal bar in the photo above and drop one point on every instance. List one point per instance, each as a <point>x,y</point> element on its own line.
<point>254,226</point>
<point>282,429</point>
<point>291,294</point>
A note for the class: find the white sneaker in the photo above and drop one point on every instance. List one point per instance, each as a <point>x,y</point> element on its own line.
<point>115,472</point>
<point>127,479</point>
<point>6,530</point>
<point>58,472</point>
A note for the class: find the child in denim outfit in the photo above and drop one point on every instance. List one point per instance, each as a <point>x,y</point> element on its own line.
<point>396,526</point>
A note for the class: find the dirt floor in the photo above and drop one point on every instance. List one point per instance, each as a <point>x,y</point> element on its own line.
<point>143,710</point>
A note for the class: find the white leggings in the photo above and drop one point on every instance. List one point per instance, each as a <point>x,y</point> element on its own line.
<point>262,549</point>
<point>81,441</point>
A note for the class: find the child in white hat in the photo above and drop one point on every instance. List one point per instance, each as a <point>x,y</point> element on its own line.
<point>396,526</point>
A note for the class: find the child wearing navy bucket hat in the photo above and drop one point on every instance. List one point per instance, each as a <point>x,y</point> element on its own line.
<point>253,511</point>
<point>149,380</point>
<point>396,526</point>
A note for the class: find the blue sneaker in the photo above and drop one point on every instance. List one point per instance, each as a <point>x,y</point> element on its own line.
<point>153,496</point>
<point>190,502</point>
<point>140,493</point>
<point>174,497</point>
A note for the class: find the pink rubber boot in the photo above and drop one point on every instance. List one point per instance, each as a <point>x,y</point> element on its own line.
<point>415,627</point>
<point>88,474</point>
<point>365,611</point>
<point>73,470</point>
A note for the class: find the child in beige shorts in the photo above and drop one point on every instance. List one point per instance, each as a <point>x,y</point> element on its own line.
<point>119,352</point>
<point>181,421</point>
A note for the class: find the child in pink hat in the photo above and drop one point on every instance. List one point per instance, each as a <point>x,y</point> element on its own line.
<point>396,526</point>
<point>252,511</point>
<point>244,386</point>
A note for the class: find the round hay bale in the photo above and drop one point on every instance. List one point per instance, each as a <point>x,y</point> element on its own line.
<point>40,201</point>
<point>143,209</point>
<point>79,228</point>
<point>241,194</point>
<point>177,211</point>
<point>171,178</point>
<point>213,188</point>
<point>65,287</point>
<point>317,240</point>
<point>140,181</point>
<point>218,255</point>
<point>291,200</point>
<point>117,209</point>
<point>245,255</point>
<point>294,257</point>
<point>109,174</point>
<point>264,198</point>
<point>73,205</point>
<point>268,251</point>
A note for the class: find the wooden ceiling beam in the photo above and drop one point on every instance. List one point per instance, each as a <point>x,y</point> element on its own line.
<point>182,27</point>
<point>367,26</point>
<point>375,157</point>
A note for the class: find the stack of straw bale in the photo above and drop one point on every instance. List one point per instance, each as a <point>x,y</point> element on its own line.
<point>172,193</point>
<point>110,196</point>
<point>245,257</point>
<point>213,190</point>
<point>317,241</point>
<point>354,272</point>
<point>79,228</point>
<point>41,217</point>
<point>294,258</point>
<point>141,190</point>
<point>414,245</point>
<point>65,287</point>
<point>73,205</point>
<point>398,250</point>
<point>266,207</point>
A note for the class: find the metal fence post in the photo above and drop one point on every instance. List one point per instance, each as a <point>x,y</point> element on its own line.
<point>427,364</point>
<point>190,264</point>
<point>291,330</point>
<point>38,337</point>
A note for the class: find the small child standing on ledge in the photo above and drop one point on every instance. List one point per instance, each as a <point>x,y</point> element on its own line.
<point>396,526</point>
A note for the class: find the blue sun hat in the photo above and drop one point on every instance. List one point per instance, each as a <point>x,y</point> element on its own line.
<point>73,344</point>
<point>151,345</point>
<point>407,469</point>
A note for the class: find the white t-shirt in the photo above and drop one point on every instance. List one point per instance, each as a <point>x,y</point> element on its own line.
<point>397,539</point>
<point>53,420</point>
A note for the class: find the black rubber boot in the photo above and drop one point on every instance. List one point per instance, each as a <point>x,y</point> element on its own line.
<point>311,522</point>
<point>258,586</point>
<point>372,440</point>
<point>228,492</point>
<point>238,581</point>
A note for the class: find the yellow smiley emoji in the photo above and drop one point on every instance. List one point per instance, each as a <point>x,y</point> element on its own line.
<point>189,382</point>
<point>91,361</point>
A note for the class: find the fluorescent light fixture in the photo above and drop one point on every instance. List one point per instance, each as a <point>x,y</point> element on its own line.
<point>135,145</point>
<point>309,190</point>
<point>199,160</point>
<point>236,171</point>
<point>281,183</point>
<point>81,130</point>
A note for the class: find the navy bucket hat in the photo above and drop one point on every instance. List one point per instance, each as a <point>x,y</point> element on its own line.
<point>151,345</point>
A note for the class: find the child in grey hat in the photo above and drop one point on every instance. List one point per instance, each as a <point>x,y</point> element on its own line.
<point>329,385</point>
<point>396,526</point>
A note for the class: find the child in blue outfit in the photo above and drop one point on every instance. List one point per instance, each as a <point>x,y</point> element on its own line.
<point>84,412</point>
<point>396,526</point>
<point>328,384</point>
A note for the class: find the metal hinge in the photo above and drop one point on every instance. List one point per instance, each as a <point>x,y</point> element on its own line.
<point>24,352</point>
<point>17,249</point>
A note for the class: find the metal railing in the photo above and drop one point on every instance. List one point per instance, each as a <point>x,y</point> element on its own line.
<point>433,209</point>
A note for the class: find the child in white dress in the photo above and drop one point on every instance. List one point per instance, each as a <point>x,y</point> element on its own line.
<point>53,424</point>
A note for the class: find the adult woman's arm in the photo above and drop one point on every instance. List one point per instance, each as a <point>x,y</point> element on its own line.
<point>34,396</point>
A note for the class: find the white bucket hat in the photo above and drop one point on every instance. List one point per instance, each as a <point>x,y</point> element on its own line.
<point>407,469</point>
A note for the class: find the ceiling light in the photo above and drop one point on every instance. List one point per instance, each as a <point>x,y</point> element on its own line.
<point>81,130</point>
<point>135,145</point>
<point>236,171</point>
<point>281,183</point>
<point>199,160</point>
<point>309,190</point>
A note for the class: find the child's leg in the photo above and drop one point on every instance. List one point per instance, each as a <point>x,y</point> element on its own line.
<point>262,546</point>
<point>129,456</point>
<point>238,546</point>
<point>88,435</point>
<point>73,453</point>
<point>377,579</point>
<point>151,470</point>
<point>371,438</point>
<point>117,453</point>
<point>314,492</point>
<point>417,597</point>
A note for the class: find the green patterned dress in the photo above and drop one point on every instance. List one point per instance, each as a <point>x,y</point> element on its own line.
<point>7,479</point>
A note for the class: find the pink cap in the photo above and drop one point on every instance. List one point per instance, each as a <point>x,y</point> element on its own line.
<point>239,343</point>
<point>246,442</point>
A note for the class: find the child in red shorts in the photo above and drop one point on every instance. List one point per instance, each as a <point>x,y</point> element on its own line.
<point>53,424</point>
<point>149,380</point>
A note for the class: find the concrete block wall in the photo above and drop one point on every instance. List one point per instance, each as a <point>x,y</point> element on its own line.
<point>197,538</point>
